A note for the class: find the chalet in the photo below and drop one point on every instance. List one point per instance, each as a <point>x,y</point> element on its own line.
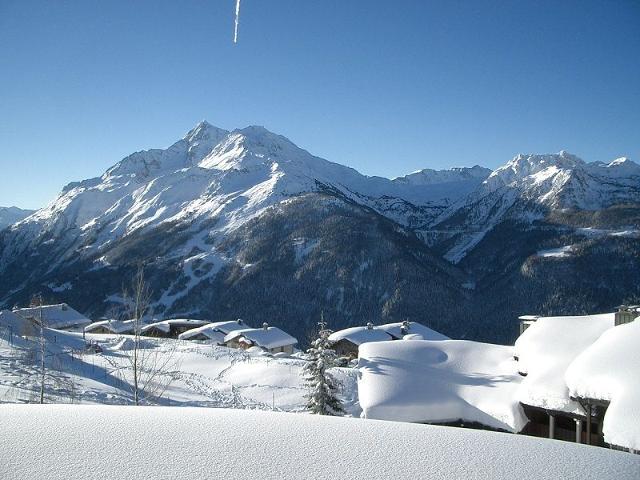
<point>118,327</point>
<point>603,379</point>
<point>171,328</point>
<point>347,342</point>
<point>213,332</point>
<point>270,339</point>
<point>399,330</point>
<point>548,351</point>
<point>60,316</point>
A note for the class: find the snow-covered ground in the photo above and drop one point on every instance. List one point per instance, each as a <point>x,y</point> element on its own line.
<point>197,374</point>
<point>80,442</point>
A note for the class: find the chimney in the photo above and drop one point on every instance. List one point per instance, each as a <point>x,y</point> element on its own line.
<point>405,327</point>
<point>526,321</point>
<point>369,326</point>
<point>240,321</point>
<point>265,326</point>
<point>625,314</point>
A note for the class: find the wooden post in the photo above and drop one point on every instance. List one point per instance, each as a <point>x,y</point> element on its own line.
<point>552,426</point>
<point>578,430</point>
<point>589,424</point>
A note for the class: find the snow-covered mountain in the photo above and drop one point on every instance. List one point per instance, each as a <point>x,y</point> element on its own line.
<point>528,187</point>
<point>222,216</point>
<point>11,215</point>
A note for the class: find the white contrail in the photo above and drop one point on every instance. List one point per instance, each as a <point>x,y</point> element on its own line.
<point>235,31</point>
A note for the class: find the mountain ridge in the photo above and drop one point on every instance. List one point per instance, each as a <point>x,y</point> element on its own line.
<point>219,213</point>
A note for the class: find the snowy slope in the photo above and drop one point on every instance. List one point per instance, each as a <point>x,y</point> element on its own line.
<point>148,442</point>
<point>11,215</point>
<point>196,374</point>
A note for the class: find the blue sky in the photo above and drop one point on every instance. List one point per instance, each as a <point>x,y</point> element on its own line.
<point>387,87</point>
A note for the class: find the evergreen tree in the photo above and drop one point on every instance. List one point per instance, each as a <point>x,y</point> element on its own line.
<point>322,398</point>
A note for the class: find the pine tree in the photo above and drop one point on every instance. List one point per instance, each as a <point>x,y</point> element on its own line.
<point>322,398</point>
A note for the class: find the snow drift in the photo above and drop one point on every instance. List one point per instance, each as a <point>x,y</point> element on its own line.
<point>158,442</point>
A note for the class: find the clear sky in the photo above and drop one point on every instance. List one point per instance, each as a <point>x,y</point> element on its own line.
<point>387,87</point>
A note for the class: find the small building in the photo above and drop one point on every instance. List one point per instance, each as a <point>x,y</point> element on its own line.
<point>118,327</point>
<point>270,339</point>
<point>526,321</point>
<point>171,328</point>
<point>347,342</point>
<point>603,379</point>
<point>626,314</point>
<point>213,332</point>
<point>60,316</point>
<point>399,330</point>
<point>544,352</point>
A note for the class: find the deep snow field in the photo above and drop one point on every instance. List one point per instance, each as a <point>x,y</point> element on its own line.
<point>87,441</point>
<point>196,374</point>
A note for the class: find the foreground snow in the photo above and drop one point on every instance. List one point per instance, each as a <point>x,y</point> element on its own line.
<point>158,442</point>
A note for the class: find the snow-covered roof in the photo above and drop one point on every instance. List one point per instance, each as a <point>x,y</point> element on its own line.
<point>209,331</point>
<point>165,325</point>
<point>114,326</point>
<point>440,381</point>
<point>321,447</point>
<point>12,321</point>
<point>228,326</point>
<point>398,330</point>
<point>271,337</point>
<point>545,351</point>
<point>55,316</point>
<point>609,369</point>
<point>360,335</point>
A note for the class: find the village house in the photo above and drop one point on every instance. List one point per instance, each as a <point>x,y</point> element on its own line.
<point>270,339</point>
<point>347,342</point>
<point>547,351</point>
<point>60,316</point>
<point>119,327</point>
<point>171,328</point>
<point>213,332</point>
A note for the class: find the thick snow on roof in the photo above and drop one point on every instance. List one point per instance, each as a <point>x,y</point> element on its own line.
<point>12,321</point>
<point>266,445</point>
<point>415,328</point>
<point>610,370</point>
<point>55,316</point>
<point>440,381</point>
<point>165,325</point>
<point>115,326</point>
<point>209,331</point>
<point>271,337</point>
<point>360,335</point>
<point>545,351</point>
<point>228,326</point>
